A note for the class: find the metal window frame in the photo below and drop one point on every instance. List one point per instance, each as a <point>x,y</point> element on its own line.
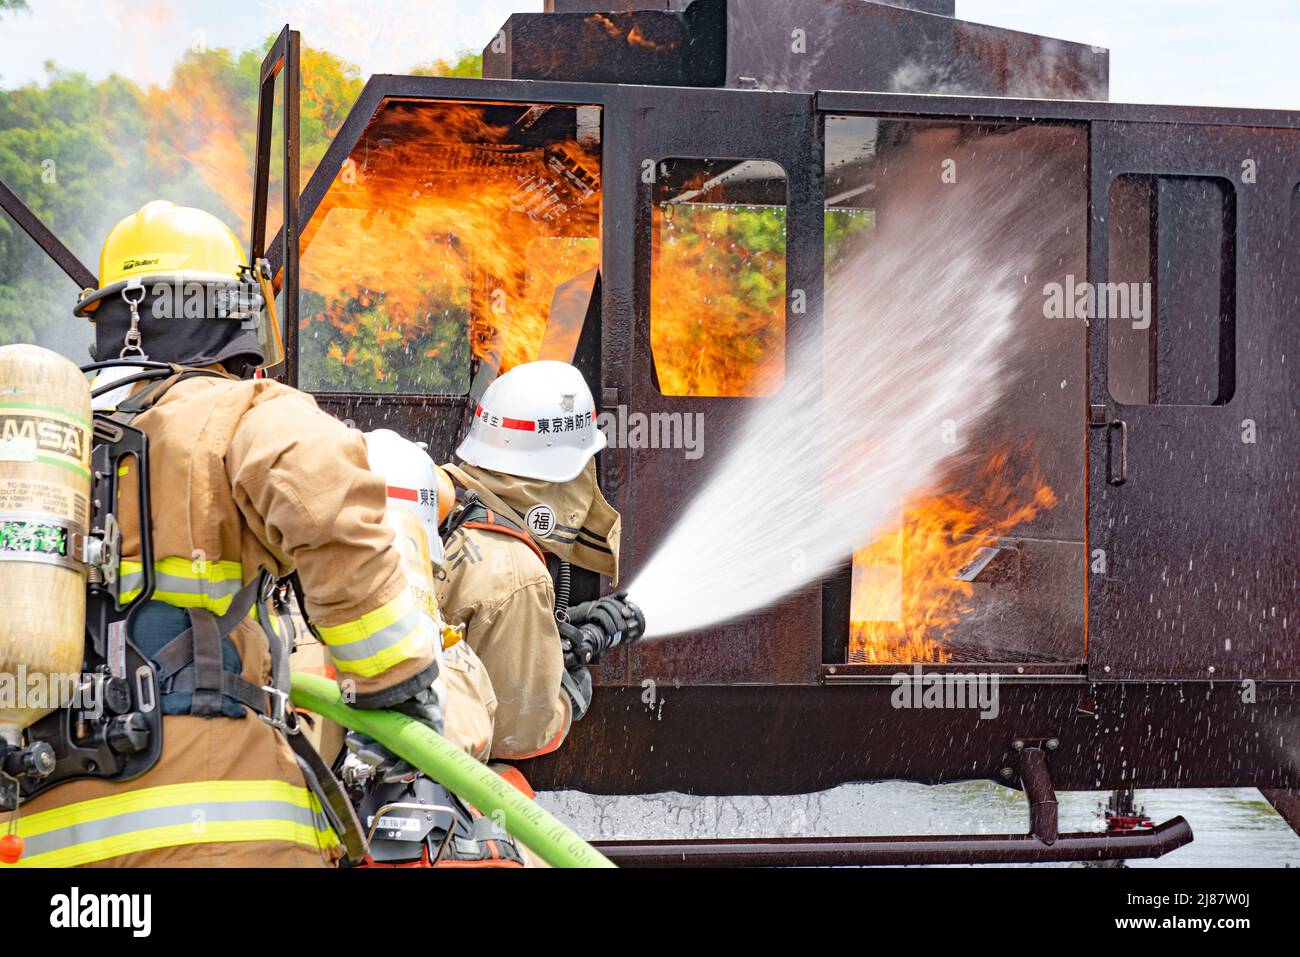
<point>50,244</point>
<point>378,89</point>
<point>284,58</point>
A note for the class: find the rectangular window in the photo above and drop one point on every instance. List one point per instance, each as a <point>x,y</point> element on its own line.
<point>1169,299</point>
<point>717,288</point>
<point>932,229</point>
<point>441,242</point>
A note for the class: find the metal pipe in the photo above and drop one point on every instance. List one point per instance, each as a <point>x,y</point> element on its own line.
<point>292,131</point>
<point>1040,793</point>
<point>898,851</point>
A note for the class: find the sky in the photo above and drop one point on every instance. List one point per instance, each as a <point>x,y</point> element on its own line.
<point>1210,52</point>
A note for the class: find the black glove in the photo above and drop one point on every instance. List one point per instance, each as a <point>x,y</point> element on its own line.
<point>577,684</point>
<point>370,759</point>
<point>576,679</point>
<point>600,625</point>
<point>424,708</point>
<point>573,643</point>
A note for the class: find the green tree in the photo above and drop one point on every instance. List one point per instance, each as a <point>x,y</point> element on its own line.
<point>83,154</point>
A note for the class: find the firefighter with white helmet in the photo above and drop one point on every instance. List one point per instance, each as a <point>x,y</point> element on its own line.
<point>536,421</point>
<point>250,482</point>
<point>528,506</point>
<point>420,498</point>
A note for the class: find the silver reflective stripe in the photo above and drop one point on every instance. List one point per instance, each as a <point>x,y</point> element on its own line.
<point>184,586</point>
<point>191,814</point>
<point>380,641</point>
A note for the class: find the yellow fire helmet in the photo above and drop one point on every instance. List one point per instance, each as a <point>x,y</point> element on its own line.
<point>181,245</point>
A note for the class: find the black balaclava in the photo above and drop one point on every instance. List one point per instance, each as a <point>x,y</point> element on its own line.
<point>187,341</point>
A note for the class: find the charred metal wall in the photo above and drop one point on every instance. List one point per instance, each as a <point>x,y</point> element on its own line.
<point>946,8</point>
<point>658,47</point>
<point>795,45</point>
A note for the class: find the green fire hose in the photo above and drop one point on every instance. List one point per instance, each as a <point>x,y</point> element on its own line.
<point>455,770</point>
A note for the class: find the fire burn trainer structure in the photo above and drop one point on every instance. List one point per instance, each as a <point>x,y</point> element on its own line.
<point>666,193</point>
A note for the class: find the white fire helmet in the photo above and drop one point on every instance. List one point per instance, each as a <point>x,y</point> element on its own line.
<point>412,479</point>
<point>536,421</point>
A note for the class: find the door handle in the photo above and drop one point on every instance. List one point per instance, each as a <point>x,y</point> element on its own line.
<point>1120,426</point>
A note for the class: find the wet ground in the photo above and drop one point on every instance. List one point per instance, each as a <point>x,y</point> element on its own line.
<point>1233,827</point>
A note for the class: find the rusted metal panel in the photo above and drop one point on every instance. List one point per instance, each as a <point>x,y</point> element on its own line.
<point>615,6</point>
<point>1192,522</point>
<point>795,45</point>
<point>780,644</point>
<point>810,45</point>
<point>662,46</point>
<point>1287,804</point>
<point>282,60</point>
<point>946,8</point>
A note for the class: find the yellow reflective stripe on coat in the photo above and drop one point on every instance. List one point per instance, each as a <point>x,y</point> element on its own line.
<point>378,640</point>
<point>185,583</point>
<point>173,815</point>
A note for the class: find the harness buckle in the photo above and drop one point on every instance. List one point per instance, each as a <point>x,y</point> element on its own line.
<point>280,711</point>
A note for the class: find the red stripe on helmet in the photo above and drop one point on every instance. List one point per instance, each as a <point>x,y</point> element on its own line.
<point>519,425</point>
<point>409,494</point>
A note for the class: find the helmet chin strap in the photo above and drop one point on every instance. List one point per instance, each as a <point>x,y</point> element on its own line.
<point>131,342</point>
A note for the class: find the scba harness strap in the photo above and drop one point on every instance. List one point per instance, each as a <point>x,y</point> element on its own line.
<point>474,514</point>
<point>192,661</point>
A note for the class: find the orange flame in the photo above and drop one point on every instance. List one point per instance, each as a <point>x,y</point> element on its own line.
<point>199,124</point>
<point>717,320</point>
<point>634,35</point>
<point>441,211</point>
<point>906,598</point>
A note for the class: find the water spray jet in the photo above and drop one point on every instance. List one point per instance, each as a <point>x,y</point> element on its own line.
<point>918,328</point>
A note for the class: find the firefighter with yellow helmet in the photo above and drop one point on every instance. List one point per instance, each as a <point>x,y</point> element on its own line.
<point>250,482</point>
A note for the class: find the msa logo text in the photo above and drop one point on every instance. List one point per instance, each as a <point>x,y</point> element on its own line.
<point>47,435</point>
<point>77,910</point>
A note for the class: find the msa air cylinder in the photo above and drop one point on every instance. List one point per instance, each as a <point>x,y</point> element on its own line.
<point>45,436</point>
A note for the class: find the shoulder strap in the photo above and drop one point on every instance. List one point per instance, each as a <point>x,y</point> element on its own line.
<point>494,523</point>
<point>474,514</point>
<point>152,394</point>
